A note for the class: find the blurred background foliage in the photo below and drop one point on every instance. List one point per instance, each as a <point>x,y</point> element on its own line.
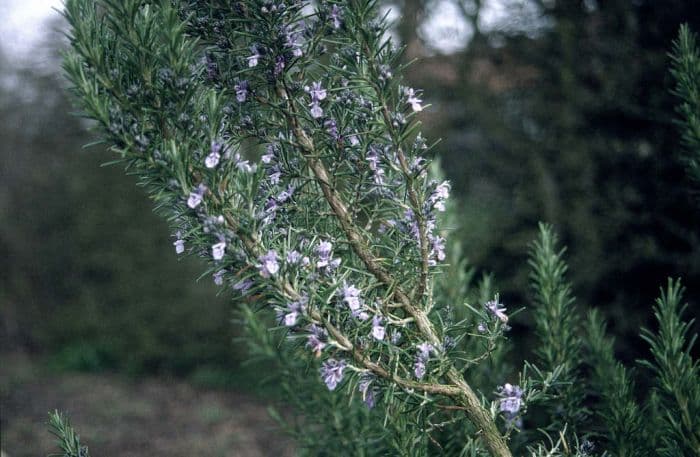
<point>556,111</point>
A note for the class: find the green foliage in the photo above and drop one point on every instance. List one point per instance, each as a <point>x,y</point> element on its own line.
<point>623,427</point>
<point>87,282</point>
<point>685,69</point>
<point>677,375</point>
<point>556,325</point>
<point>345,175</point>
<point>565,117</point>
<point>68,440</point>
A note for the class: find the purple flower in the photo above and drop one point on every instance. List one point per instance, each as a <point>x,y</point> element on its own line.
<point>412,99</point>
<point>253,59</point>
<point>424,350</point>
<point>482,328</point>
<point>285,194</point>
<point>316,110</point>
<point>316,339</point>
<point>212,159</point>
<point>269,155</point>
<point>294,309</point>
<point>275,177</point>
<point>219,277</point>
<point>243,285</point>
<point>378,330</point>
<point>332,372</point>
<point>317,93</point>
<point>243,165</point>
<point>511,400</point>
<point>438,247</point>
<point>280,63</point>
<point>336,16</point>
<point>218,250</point>
<point>373,159</point>
<point>332,129</point>
<point>241,91</point>
<point>365,387</point>
<point>179,243</point>
<point>196,196</point>
<point>438,197</point>
<point>268,264</point>
<point>351,296</point>
<point>419,369</point>
<point>497,309</point>
<point>293,257</point>
<point>292,41</point>
<point>324,251</point>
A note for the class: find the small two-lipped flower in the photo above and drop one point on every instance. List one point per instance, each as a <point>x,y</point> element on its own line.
<point>212,160</point>
<point>254,58</point>
<point>510,401</point>
<point>218,250</point>
<point>317,339</point>
<point>293,311</point>
<point>440,195</point>
<point>422,357</point>
<point>332,372</point>
<point>326,262</point>
<point>179,243</point>
<point>497,309</point>
<point>269,265</point>
<point>317,93</point>
<point>378,330</point>
<point>241,89</point>
<point>196,196</point>
<point>413,100</point>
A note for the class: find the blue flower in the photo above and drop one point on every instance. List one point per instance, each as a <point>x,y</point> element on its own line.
<point>317,339</point>
<point>241,91</point>
<point>219,277</point>
<point>424,350</point>
<point>179,243</point>
<point>511,400</point>
<point>378,330</point>
<point>351,296</point>
<point>196,196</point>
<point>218,250</point>
<point>268,264</point>
<point>413,100</point>
<point>497,309</point>
<point>253,59</point>
<point>365,387</point>
<point>332,372</point>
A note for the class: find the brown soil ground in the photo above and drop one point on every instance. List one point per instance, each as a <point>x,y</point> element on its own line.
<point>125,418</point>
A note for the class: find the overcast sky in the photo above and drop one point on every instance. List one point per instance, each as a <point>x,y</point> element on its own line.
<point>23,22</point>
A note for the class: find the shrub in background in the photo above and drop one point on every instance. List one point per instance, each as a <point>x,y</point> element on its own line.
<point>68,289</point>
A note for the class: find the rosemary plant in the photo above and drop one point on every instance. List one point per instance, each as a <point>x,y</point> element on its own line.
<point>686,72</point>
<point>278,140</point>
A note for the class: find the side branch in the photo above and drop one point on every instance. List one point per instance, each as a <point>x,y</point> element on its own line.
<point>476,413</point>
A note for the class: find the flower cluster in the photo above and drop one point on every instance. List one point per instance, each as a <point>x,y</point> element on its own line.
<point>317,94</point>
<point>422,357</point>
<point>510,401</point>
<point>332,371</point>
<point>326,262</point>
<point>497,309</point>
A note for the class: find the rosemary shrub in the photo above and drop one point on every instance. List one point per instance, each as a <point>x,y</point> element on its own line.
<point>280,143</point>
